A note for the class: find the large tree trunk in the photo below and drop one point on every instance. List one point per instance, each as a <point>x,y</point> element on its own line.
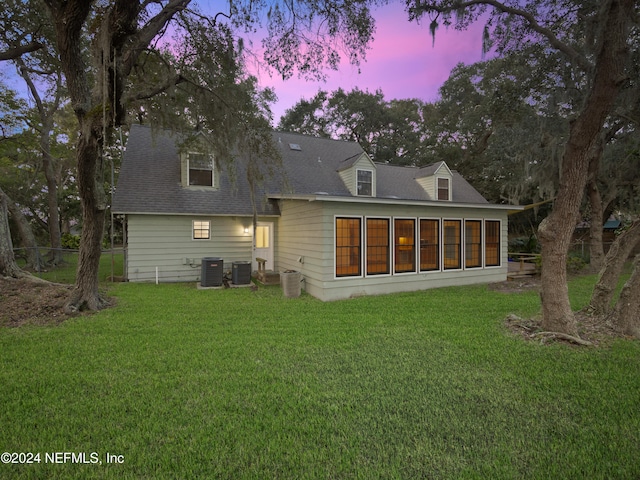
<point>34,260</point>
<point>8,265</point>
<point>118,39</point>
<point>627,312</point>
<point>612,269</point>
<point>53,223</point>
<point>46,112</point>
<point>85,295</point>
<point>556,231</point>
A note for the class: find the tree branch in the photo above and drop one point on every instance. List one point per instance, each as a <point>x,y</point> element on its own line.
<point>13,53</point>
<point>176,79</point>
<point>141,39</point>
<point>555,42</point>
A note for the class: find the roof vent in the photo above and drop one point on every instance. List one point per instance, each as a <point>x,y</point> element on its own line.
<point>295,146</point>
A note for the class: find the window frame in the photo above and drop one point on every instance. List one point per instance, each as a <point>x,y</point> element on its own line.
<point>438,189</point>
<point>498,245</point>
<point>194,230</point>
<point>479,245</point>
<point>396,249</point>
<point>366,257</point>
<point>336,247</point>
<point>438,244</point>
<point>213,170</point>
<point>444,245</point>
<point>358,182</point>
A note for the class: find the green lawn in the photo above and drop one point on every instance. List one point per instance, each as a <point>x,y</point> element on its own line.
<point>235,384</point>
<point>66,273</point>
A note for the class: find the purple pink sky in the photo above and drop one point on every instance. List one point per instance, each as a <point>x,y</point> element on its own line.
<point>401,62</point>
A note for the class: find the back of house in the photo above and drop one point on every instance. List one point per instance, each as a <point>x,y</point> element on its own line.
<point>350,226</point>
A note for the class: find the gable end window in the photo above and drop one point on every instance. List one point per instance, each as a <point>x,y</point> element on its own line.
<point>365,183</point>
<point>201,230</point>
<point>443,188</point>
<point>201,170</point>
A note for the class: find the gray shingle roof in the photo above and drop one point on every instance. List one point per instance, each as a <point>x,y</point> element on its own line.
<point>149,182</point>
<point>149,179</point>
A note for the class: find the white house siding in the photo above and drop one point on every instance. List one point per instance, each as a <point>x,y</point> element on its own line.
<point>165,241</point>
<point>311,224</point>
<point>303,241</point>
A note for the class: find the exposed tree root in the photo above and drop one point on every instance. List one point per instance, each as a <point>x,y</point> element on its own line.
<point>22,275</point>
<point>79,303</point>
<point>563,336</point>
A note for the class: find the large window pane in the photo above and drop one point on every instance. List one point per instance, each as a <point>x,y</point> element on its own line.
<point>492,243</point>
<point>472,243</point>
<point>348,250</point>
<point>201,230</point>
<point>429,244</point>
<point>262,236</point>
<point>443,189</point>
<point>451,246</point>
<point>365,182</point>
<point>404,243</point>
<point>377,246</point>
<point>200,169</point>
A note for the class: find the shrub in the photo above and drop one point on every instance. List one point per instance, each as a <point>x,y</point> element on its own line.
<point>575,263</point>
<point>525,244</point>
<point>70,241</point>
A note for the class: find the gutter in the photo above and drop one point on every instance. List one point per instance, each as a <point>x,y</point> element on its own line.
<point>395,201</point>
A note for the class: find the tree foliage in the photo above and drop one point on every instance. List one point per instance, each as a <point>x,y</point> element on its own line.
<point>113,61</point>
<point>595,38</point>
<point>390,131</point>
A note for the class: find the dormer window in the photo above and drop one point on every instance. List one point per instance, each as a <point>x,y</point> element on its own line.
<point>444,188</point>
<point>365,183</point>
<point>201,170</point>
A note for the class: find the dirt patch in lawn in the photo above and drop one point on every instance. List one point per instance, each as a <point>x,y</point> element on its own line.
<point>594,329</point>
<point>28,302</point>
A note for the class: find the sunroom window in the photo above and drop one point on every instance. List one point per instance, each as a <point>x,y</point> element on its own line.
<point>377,246</point>
<point>429,244</point>
<point>452,244</point>
<point>405,245</point>
<point>348,247</point>
<point>472,243</point>
<point>492,243</point>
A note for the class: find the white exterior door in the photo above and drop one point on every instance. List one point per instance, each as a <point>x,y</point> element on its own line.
<point>263,245</point>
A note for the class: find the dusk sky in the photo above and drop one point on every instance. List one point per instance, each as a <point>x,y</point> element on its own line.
<point>401,62</point>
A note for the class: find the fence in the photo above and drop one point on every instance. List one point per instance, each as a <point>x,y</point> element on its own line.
<point>59,265</point>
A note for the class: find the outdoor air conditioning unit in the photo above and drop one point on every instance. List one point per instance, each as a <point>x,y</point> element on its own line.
<point>241,273</point>
<point>211,273</point>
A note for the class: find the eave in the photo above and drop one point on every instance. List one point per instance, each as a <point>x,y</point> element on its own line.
<point>393,201</point>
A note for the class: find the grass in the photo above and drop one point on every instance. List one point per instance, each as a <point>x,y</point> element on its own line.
<point>66,273</point>
<point>240,384</point>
